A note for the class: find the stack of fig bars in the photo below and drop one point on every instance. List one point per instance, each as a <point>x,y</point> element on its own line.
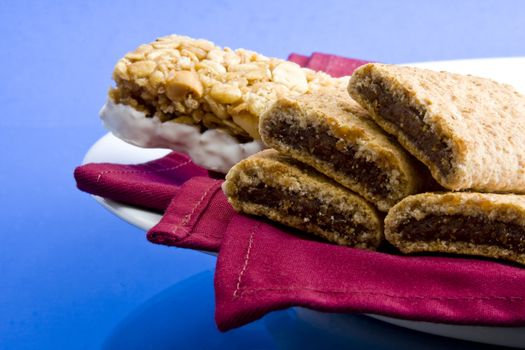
<point>355,160</point>
<point>429,161</point>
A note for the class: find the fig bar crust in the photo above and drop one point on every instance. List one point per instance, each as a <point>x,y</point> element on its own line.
<point>332,133</point>
<point>468,131</point>
<point>277,187</point>
<point>484,224</point>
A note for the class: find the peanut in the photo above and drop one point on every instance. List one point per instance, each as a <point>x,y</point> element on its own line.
<point>226,94</point>
<point>181,83</point>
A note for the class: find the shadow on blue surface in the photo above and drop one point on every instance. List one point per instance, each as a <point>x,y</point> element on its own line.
<point>181,317</point>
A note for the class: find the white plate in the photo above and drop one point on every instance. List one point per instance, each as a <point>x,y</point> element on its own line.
<point>507,70</point>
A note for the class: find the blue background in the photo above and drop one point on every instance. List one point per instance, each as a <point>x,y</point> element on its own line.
<point>72,275</point>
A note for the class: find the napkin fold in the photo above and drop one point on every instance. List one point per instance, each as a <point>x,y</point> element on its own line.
<point>263,267</point>
<point>151,185</point>
<point>197,217</point>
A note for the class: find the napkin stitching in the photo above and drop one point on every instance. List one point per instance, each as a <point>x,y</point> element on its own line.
<point>246,259</point>
<point>188,217</point>
<point>139,171</point>
<point>342,291</point>
<point>245,291</point>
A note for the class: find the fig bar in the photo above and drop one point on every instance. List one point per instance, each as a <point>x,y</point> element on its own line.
<point>332,133</point>
<point>467,130</point>
<point>485,224</point>
<point>284,190</point>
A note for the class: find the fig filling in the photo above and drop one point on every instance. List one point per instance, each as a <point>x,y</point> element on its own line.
<point>321,143</point>
<point>291,203</point>
<point>410,121</point>
<point>468,229</point>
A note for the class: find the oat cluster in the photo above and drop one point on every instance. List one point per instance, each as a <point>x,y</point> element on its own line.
<point>193,81</point>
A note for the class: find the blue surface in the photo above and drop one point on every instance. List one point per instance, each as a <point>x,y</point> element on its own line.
<point>71,274</point>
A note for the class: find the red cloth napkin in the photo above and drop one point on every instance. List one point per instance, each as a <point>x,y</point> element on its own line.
<point>261,267</point>
<point>336,66</point>
<point>150,185</point>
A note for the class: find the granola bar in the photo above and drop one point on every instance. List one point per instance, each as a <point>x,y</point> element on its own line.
<point>289,192</point>
<point>468,131</point>
<point>484,224</point>
<point>329,131</point>
<point>194,82</point>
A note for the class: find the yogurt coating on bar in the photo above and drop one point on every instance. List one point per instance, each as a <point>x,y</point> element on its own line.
<point>214,149</point>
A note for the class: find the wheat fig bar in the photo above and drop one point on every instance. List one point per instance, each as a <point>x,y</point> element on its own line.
<point>193,96</point>
<point>332,133</point>
<point>484,224</point>
<point>284,190</point>
<point>467,130</point>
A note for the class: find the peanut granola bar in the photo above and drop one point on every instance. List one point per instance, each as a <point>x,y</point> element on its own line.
<point>194,82</point>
